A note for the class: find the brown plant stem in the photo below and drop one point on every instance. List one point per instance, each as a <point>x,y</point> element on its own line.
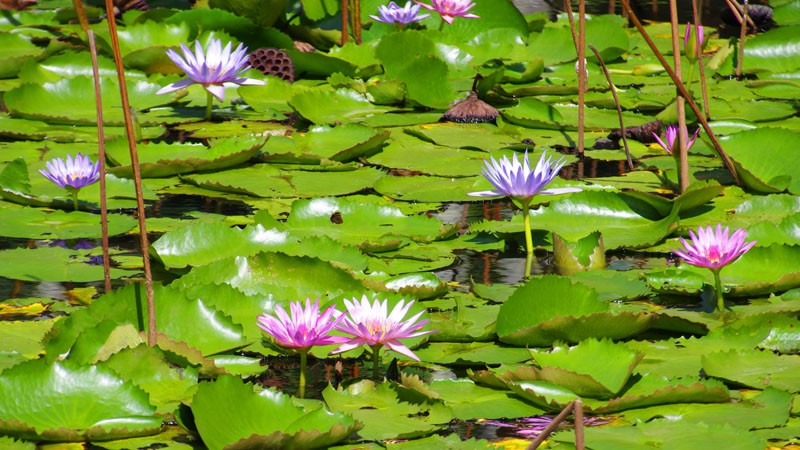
<point>616,102</point>
<point>579,39</point>
<point>738,13</point>
<point>742,37</point>
<point>689,100</point>
<point>345,20</point>
<point>702,68</point>
<point>101,141</point>
<point>578,416</point>
<point>680,103</point>
<point>582,78</point>
<point>101,145</point>
<point>357,20</point>
<point>551,426</point>
<point>137,175</point>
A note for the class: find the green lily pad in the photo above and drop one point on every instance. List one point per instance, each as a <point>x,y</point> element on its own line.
<point>53,264</point>
<point>21,340</point>
<point>72,100</point>
<point>177,317</point>
<point>766,171</point>
<point>64,388</point>
<point>361,222</point>
<point>470,353</point>
<point>230,414</point>
<point>774,50</point>
<point>342,143</point>
<point>164,160</point>
<point>593,368</point>
<point>286,277</point>
<point>266,181</point>
<point>16,51</point>
<point>385,414</point>
<point>148,368</point>
<point>329,107</point>
<point>754,368</point>
<point>470,401</point>
<point>667,434</point>
<point>38,224</point>
<point>202,243</point>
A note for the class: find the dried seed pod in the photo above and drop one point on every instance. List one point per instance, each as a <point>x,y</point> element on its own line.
<point>271,61</point>
<point>471,110</point>
<point>642,133</point>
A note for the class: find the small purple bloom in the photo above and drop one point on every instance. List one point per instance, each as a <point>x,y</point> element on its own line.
<point>395,14</point>
<point>211,68</point>
<point>714,249</point>
<point>450,9</point>
<point>517,180</point>
<point>372,325</point>
<point>72,174</point>
<point>305,328</point>
<point>672,139</point>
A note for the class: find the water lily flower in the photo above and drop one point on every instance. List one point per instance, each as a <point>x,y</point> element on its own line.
<point>515,179</point>
<point>373,326</point>
<point>305,328</point>
<point>450,9</point>
<point>671,136</point>
<point>690,47</point>
<point>72,174</point>
<point>714,249</point>
<point>211,68</point>
<point>397,15</point>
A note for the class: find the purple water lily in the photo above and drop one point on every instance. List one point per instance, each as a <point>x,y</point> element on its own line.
<point>515,179</point>
<point>72,174</point>
<point>211,68</point>
<point>392,13</point>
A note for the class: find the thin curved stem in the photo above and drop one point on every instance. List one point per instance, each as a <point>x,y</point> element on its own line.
<point>526,222</point>
<point>74,194</point>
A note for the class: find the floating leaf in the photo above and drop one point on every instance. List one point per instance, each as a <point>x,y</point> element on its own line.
<point>39,224</point>
<point>767,170</point>
<point>63,388</point>
<point>230,414</point>
<point>163,160</point>
<point>755,369</point>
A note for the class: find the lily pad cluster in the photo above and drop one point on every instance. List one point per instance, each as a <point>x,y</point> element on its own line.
<point>346,183</point>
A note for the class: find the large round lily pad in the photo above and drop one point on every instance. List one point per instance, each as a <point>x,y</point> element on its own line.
<point>41,401</point>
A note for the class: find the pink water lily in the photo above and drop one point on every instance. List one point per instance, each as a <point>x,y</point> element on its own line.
<point>714,249</point>
<point>671,135</point>
<point>305,328</point>
<point>393,13</point>
<point>450,9</point>
<point>372,325</point>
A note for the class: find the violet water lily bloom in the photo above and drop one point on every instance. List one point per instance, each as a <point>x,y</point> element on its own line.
<point>211,68</point>
<point>714,248</point>
<point>372,325</point>
<point>450,9</point>
<point>671,136</point>
<point>515,179</point>
<point>72,174</point>
<point>305,328</point>
<point>392,13</point>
